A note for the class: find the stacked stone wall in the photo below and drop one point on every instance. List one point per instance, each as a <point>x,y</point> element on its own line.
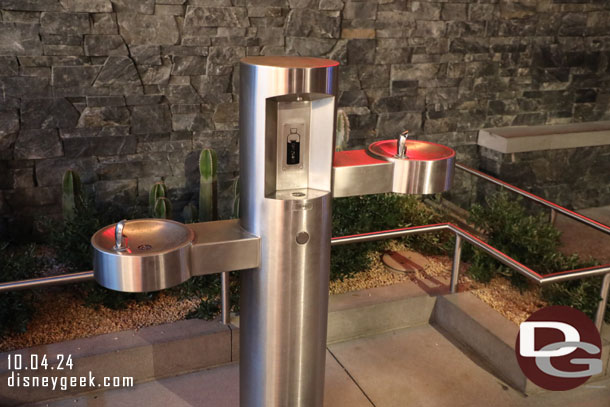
<point>127,92</point>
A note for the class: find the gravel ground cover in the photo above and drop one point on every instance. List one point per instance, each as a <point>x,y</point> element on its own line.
<point>513,304</point>
<point>62,316</point>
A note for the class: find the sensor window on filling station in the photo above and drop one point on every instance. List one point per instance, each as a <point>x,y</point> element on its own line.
<point>293,145</point>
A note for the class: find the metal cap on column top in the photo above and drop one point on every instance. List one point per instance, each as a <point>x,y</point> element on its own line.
<point>287,116</point>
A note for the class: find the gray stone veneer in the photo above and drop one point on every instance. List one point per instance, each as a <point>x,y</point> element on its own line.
<point>128,91</point>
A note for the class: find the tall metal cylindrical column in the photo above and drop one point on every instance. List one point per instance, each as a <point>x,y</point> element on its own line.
<point>286,200</point>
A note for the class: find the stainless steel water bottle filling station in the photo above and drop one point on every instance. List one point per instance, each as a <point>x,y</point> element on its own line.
<point>289,175</point>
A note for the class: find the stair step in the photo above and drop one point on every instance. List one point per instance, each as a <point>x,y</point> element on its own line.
<point>490,338</point>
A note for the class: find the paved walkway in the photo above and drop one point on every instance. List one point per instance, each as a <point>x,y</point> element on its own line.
<point>412,367</point>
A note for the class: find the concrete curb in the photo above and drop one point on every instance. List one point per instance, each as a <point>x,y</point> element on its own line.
<point>484,333</point>
<point>143,354</point>
<point>377,310</point>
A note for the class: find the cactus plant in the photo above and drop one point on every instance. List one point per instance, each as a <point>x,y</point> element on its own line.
<point>157,191</point>
<point>342,132</point>
<point>208,166</point>
<point>71,199</point>
<point>189,213</point>
<point>163,208</point>
<point>236,198</point>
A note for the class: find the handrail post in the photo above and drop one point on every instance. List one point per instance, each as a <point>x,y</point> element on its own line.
<point>455,268</point>
<point>553,217</point>
<point>225,299</point>
<point>601,307</point>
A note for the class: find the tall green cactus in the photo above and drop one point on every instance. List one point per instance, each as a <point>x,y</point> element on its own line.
<point>189,213</point>
<point>208,166</point>
<point>157,191</point>
<point>342,132</point>
<point>71,199</point>
<point>236,198</point>
<point>163,208</point>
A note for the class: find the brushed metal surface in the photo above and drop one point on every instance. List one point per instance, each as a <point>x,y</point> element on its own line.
<point>119,237</point>
<point>222,246</point>
<point>157,255</point>
<point>401,144</point>
<point>362,179</point>
<point>284,302</point>
<point>284,305</point>
<point>61,279</point>
<point>355,172</point>
<point>427,168</point>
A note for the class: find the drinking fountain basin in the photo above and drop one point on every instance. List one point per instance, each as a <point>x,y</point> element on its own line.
<point>426,168</point>
<point>142,255</point>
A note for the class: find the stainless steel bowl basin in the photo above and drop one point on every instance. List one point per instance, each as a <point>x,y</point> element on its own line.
<point>156,255</point>
<point>426,169</point>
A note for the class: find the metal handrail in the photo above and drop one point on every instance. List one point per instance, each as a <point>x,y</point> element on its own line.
<point>459,233</point>
<point>564,275</point>
<point>62,279</point>
<point>553,206</point>
<point>475,241</point>
<point>462,234</point>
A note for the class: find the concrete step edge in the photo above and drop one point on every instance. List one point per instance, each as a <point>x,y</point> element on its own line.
<point>348,324</point>
<point>490,338</point>
<point>143,354</point>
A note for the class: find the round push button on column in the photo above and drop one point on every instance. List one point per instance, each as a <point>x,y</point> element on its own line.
<point>302,237</point>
